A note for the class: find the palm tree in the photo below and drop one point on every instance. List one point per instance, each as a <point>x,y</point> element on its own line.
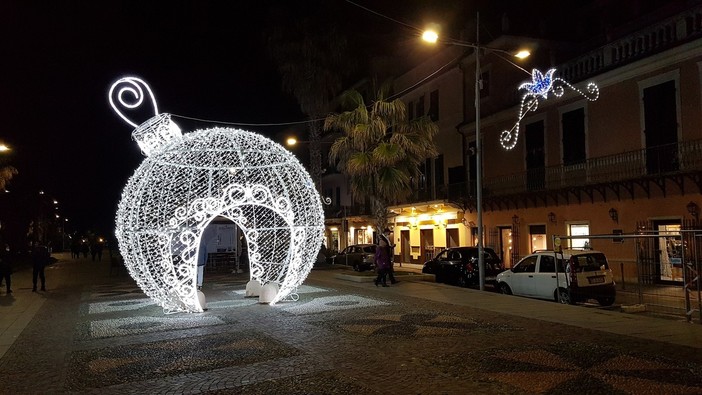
<point>380,150</point>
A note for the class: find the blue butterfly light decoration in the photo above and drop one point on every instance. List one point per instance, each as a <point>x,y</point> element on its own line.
<point>540,86</point>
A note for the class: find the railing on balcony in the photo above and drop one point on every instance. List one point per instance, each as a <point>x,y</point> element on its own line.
<point>665,34</point>
<point>655,161</point>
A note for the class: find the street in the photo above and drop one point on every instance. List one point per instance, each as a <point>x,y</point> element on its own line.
<point>95,332</point>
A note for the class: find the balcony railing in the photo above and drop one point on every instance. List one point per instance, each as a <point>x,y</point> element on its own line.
<point>679,158</point>
<point>649,162</point>
<point>665,34</point>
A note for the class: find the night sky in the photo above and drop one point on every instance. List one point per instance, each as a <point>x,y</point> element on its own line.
<point>203,59</point>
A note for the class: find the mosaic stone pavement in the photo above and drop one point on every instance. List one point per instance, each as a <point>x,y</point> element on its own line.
<point>578,367</point>
<point>336,339</point>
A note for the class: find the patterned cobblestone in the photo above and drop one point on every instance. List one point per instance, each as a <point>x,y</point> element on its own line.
<point>338,338</point>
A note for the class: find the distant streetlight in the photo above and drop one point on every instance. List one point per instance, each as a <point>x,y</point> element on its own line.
<point>4,148</point>
<point>292,141</point>
<point>432,37</point>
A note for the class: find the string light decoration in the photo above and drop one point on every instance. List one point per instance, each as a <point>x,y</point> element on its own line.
<point>187,180</point>
<point>539,88</point>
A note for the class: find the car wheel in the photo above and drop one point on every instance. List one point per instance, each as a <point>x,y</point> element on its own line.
<point>504,289</point>
<point>462,281</point>
<point>563,296</point>
<point>356,268</point>
<point>606,301</point>
<point>438,278</point>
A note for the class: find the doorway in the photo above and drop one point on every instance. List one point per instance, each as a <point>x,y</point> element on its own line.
<point>506,245</point>
<point>668,252</point>
<point>426,239</point>
<point>405,246</point>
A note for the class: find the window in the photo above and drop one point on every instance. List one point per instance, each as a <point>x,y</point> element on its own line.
<point>548,264</point>
<point>439,170</point>
<point>527,265</point>
<point>579,230</point>
<point>434,105</point>
<point>573,124</point>
<point>535,155</point>
<point>537,238</point>
<point>420,107</point>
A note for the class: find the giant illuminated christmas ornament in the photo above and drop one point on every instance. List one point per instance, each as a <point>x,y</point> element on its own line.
<point>187,180</point>
<point>539,88</point>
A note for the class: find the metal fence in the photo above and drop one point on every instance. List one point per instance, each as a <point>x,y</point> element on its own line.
<point>651,286</point>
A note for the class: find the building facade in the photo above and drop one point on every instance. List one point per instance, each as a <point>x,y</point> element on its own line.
<point>629,162</point>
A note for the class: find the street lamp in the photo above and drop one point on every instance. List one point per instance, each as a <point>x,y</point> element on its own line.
<point>432,37</point>
<point>4,148</point>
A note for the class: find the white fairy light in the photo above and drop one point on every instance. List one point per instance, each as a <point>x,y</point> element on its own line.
<point>134,87</point>
<point>186,181</point>
<point>539,87</point>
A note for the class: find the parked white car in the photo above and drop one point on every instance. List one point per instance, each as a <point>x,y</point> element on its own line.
<point>582,275</point>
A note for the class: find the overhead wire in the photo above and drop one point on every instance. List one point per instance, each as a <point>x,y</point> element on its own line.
<point>398,94</point>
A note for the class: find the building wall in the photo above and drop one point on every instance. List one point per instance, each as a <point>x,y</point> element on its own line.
<point>614,124</point>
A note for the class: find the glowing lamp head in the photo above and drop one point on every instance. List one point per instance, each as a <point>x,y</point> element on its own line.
<point>523,54</point>
<point>430,36</point>
<point>291,141</point>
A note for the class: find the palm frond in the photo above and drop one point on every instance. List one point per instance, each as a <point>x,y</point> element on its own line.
<point>386,154</point>
<point>360,164</point>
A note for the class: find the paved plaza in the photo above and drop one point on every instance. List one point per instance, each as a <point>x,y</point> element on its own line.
<point>95,332</point>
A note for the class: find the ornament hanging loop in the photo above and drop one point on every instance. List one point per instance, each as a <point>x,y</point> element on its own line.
<point>129,93</point>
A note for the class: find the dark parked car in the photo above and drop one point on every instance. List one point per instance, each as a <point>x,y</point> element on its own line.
<point>459,265</point>
<point>359,256</point>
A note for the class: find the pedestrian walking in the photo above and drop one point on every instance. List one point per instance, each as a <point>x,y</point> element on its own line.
<point>6,267</point>
<point>93,250</point>
<point>99,252</point>
<point>382,263</point>
<point>84,248</point>
<point>40,258</point>
<point>386,236</point>
<point>75,248</point>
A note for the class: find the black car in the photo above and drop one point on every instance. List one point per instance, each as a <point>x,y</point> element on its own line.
<point>459,265</point>
<point>359,256</point>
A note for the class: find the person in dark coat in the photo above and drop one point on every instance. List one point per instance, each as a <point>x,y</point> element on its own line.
<point>6,266</point>
<point>40,258</point>
<point>382,263</point>
<point>387,238</point>
<point>85,249</point>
